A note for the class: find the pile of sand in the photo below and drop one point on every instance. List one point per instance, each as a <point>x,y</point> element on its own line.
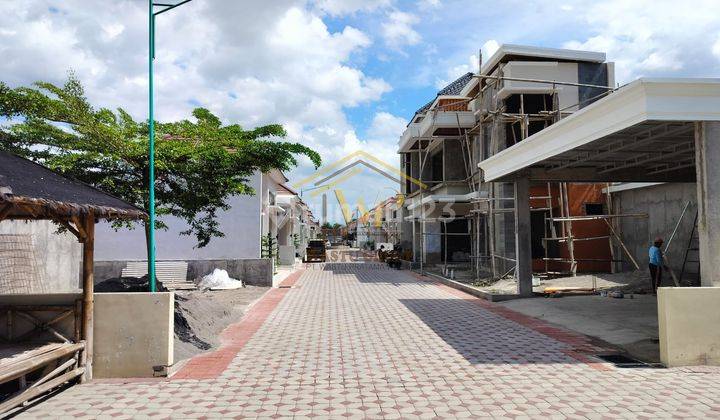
<point>200,317</point>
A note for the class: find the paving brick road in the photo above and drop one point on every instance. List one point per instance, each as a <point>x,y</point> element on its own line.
<point>351,341</point>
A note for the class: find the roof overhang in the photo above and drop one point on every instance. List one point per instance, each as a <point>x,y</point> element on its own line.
<point>525,51</point>
<point>433,125</point>
<point>643,132</point>
<point>277,176</point>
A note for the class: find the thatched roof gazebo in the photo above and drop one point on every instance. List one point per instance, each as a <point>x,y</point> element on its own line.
<point>29,191</point>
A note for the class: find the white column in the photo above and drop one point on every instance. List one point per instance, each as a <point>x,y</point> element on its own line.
<point>523,247</point>
<point>707,164</point>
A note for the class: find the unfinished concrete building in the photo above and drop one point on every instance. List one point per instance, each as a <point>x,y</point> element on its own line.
<point>538,165</point>
<point>463,227</point>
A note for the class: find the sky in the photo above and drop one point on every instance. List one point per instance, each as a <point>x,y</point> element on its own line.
<point>340,75</point>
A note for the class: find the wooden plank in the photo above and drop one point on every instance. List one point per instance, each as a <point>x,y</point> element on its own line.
<point>15,353</point>
<point>37,391</point>
<point>68,363</point>
<point>27,365</point>
<point>37,308</point>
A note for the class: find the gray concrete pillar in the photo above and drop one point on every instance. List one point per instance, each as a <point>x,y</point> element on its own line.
<point>523,246</point>
<point>707,167</point>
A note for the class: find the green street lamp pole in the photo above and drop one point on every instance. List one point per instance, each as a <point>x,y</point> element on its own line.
<point>164,7</point>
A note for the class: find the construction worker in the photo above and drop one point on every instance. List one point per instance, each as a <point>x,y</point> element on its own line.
<point>656,264</point>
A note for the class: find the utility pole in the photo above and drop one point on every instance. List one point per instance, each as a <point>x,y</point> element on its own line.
<point>163,7</point>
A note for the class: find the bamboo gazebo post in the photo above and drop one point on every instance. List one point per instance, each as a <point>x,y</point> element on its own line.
<point>88,290</point>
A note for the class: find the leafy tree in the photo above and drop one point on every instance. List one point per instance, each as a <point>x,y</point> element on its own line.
<point>198,164</point>
<point>328,225</point>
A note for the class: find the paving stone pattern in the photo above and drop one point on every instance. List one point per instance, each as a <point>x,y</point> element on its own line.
<point>353,342</point>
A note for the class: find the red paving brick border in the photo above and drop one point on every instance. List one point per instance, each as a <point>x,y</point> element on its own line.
<point>581,344</point>
<point>234,337</point>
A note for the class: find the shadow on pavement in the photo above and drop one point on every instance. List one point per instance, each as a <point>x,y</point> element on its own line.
<point>483,337</point>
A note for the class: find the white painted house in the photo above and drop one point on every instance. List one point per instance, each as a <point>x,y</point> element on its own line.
<point>295,227</point>
<point>239,251</point>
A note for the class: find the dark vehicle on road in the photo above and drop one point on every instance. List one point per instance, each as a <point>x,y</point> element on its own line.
<point>315,251</point>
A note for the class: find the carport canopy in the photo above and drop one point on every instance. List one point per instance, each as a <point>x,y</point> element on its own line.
<point>651,130</point>
<point>643,132</point>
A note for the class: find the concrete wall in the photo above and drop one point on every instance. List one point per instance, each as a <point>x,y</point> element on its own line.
<point>56,258</point>
<point>663,203</point>
<point>240,224</point>
<point>133,333</point>
<point>688,318</point>
<point>253,271</point>
<point>543,70</point>
<point>286,254</point>
<point>454,159</point>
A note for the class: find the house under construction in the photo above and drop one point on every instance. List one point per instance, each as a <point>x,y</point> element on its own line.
<point>461,224</point>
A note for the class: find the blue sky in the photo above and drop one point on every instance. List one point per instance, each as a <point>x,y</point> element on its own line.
<point>340,75</point>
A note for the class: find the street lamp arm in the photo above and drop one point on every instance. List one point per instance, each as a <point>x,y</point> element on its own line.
<point>168,6</point>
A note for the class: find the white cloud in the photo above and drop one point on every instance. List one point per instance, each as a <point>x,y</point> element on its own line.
<point>489,48</point>
<point>112,30</point>
<point>650,37</point>
<point>398,29</point>
<point>344,7</point>
<point>386,126</point>
<point>470,66</point>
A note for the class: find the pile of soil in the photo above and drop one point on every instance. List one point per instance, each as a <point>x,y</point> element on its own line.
<point>126,285</point>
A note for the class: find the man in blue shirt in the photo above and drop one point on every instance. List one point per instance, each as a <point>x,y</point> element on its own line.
<point>656,264</point>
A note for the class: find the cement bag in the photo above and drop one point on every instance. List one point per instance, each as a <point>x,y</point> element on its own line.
<point>219,280</point>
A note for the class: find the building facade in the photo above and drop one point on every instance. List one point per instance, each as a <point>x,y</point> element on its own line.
<point>451,218</point>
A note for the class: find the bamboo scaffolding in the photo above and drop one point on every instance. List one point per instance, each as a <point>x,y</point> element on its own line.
<point>494,116</point>
<point>597,217</point>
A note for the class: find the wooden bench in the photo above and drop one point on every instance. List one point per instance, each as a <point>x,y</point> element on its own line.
<point>36,352</point>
